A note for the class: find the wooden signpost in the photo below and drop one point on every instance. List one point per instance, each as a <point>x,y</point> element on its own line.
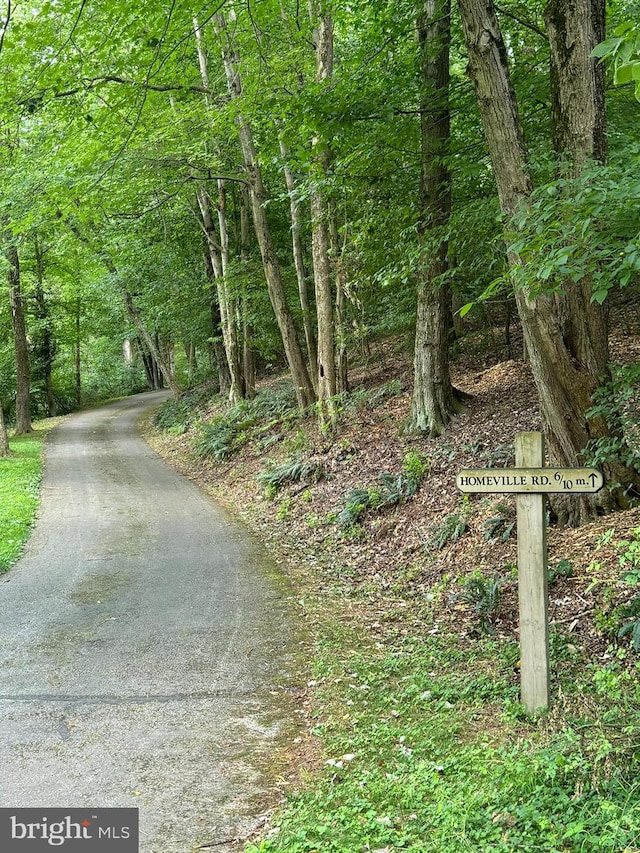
<point>530,480</point>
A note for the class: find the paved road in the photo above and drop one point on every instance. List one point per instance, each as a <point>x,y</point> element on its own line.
<point>146,653</point>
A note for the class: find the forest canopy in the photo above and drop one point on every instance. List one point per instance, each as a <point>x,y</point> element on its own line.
<point>195,192</point>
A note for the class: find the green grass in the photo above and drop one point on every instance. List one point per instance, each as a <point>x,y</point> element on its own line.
<point>427,749</point>
<point>20,476</point>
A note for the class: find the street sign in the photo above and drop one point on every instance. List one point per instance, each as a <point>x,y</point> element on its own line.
<point>535,480</point>
<point>531,481</point>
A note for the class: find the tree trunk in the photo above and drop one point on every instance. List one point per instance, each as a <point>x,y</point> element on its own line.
<point>435,401</point>
<point>218,246</point>
<point>130,308</point>
<point>301,273</point>
<point>248,359</point>
<point>320,239</point>
<point>219,256</point>
<point>219,353</point>
<point>77,355</point>
<point>21,346</point>
<point>46,345</point>
<point>164,365</point>
<point>579,138</point>
<point>564,383</point>
<point>577,80</point>
<point>5,450</point>
<point>337,255</point>
<point>299,373</point>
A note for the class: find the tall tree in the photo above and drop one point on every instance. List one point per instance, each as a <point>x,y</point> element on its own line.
<point>218,246</point>
<point>299,263</point>
<point>320,231</point>
<point>435,401</point>
<point>284,317</point>
<point>45,347</point>
<point>21,345</point>
<point>565,376</point>
<point>5,450</point>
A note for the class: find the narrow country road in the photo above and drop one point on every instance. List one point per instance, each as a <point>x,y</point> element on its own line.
<point>146,653</point>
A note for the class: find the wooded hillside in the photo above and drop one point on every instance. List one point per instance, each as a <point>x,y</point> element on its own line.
<point>199,193</point>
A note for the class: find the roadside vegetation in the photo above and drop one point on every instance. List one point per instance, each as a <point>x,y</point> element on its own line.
<point>20,474</point>
<point>414,738</point>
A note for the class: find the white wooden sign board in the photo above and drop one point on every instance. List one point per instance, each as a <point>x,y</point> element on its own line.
<point>531,481</point>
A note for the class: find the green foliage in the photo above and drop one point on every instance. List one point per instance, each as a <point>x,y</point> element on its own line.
<point>563,570</point>
<point>483,594</point>
<point>228,431</point>
<point>617,403</point>
<point>579,228</point>
<point>224,435</point>
<point>454,525</point>
<point>278,476</point>
<point>501,525</point>
<point>415,466</point>
<point>630,557</point>
<point>392,489</point>
<point>631,613</point>
<point>622,49</point>
<point>176,416</point>
<point>356,503</point>
<point>419,758</point>
<point>19,482</point>
<point>367,398</point>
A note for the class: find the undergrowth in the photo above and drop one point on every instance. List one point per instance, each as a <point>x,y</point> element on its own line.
<point>427,749</point>
<point>176,416</point>
<point>222,435</point>
<point>390,490</point>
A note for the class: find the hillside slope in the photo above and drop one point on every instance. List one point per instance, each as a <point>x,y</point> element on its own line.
<point>383,551</point>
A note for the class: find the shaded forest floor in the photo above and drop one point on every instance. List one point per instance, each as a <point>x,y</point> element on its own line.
<point>437,562</point>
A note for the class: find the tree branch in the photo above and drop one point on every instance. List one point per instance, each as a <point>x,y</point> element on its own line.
<point>6,24</point>
<point>529,25</point>
<point>93,82</point>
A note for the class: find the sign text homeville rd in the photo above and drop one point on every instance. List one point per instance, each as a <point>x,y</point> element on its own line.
<point>536,480</point>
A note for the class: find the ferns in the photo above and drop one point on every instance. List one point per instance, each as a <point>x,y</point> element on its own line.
<point>393,489</point>
<point>290,472</point>
<point>226,433</point>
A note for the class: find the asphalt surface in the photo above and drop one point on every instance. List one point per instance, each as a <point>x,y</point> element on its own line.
<point>147,653</point>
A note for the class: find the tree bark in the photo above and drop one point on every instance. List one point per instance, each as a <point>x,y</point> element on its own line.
<point>77,355</point>
<point>46,348</point>
<point>248,358</point>
<point>217,346</point>
<point>21,346</point>
<point>218,248</point>
<point>284,318</point>
<point>563,381</point>
<point>131,310</point>
<point>5,450</point>
<point>340,276</point>
<point>301,272</point>
<point>164,364</point>
<point>579,138</point>
<point>577,80</point>
<point>320,239</point>
<point>435,401</point>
